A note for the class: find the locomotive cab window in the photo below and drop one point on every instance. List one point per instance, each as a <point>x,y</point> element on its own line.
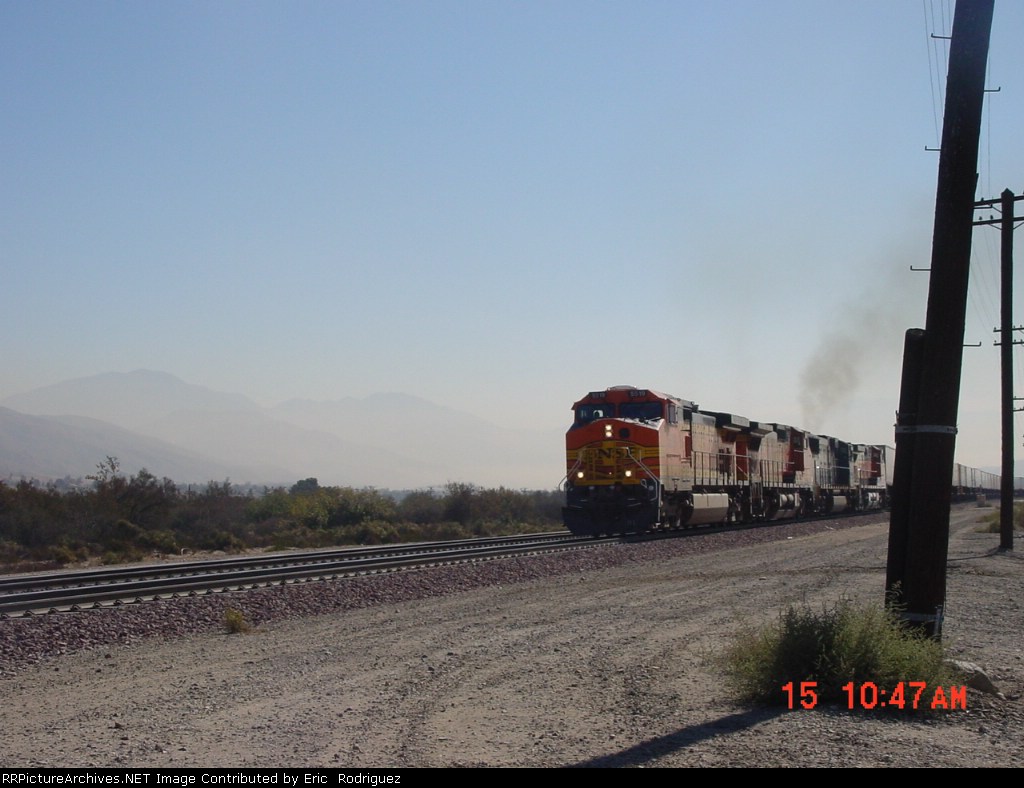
<point>588,413</point>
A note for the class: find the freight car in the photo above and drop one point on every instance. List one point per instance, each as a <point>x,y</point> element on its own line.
<point>969,483</point>
<point>637,459</point>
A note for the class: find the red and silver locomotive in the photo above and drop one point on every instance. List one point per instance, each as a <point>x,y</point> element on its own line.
<point>637,459</point>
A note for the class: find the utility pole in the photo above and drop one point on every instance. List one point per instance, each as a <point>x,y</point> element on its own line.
<point>918,587</point>
<point>1006,203</point>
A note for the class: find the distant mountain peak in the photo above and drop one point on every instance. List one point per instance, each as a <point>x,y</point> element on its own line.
<point>385,439</point>
<point>128,399</point>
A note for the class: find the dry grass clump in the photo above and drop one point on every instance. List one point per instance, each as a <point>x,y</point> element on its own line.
<point>235,622</point>
<point>992,522</point>
<point>823,652</point>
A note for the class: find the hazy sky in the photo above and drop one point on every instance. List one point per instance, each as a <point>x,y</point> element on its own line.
<point>494,205</point>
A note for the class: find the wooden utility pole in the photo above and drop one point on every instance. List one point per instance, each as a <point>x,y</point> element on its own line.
<point>919,590</point>
<point>903,468</point>
<point>1006,351</point>
<point>1005,330</point>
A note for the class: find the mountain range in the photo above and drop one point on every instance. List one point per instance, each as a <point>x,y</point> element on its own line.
<point>193,434</point>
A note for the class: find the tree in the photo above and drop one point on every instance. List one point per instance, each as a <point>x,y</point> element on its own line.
<point>305,486</point>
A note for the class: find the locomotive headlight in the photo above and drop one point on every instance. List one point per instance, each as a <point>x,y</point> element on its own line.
<point>628,474</point>
<point>579,474</point>
<point>607,430</point>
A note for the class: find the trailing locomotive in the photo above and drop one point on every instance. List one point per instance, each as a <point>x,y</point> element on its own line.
<point>637,459</point>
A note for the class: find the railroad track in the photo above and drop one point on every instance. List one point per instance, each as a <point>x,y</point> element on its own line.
<point>76,590</point>
<point>72,591</point>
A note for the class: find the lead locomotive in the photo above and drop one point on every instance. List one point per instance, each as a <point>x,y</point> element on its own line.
<point>637,459</point>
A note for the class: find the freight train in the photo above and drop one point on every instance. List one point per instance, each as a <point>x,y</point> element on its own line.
<point>637,459</point>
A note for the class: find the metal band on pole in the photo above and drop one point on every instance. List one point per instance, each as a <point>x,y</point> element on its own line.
<point>941,429</point>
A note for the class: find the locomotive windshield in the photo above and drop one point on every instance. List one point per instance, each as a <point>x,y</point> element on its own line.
<point>642,411</point>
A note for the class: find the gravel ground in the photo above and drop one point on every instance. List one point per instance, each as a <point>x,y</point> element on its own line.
<point>598,657</point>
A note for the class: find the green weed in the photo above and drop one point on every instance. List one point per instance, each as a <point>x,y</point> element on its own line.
<point>828,650</point>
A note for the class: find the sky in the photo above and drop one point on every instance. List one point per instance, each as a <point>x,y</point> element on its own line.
<point>497,206</point>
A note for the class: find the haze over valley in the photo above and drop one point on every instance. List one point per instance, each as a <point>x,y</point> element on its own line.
<point>193,434</point>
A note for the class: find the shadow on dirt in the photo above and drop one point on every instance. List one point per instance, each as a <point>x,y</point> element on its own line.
<point>652,749</point>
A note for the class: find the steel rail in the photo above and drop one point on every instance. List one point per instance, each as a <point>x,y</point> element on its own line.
<point>136,590</point>
<point>53,592</point>
<point>13,583</point>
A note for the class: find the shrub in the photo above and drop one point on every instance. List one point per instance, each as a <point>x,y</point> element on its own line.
<point>992,522</point>
<point>373,532</point>
<point>65,555</point>
<point>235,622</point>
<point>845,643</point>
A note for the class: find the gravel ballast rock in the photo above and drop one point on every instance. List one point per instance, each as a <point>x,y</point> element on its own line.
<point>597,657</point>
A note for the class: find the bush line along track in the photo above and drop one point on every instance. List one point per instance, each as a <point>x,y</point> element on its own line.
<point>72,591</point>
